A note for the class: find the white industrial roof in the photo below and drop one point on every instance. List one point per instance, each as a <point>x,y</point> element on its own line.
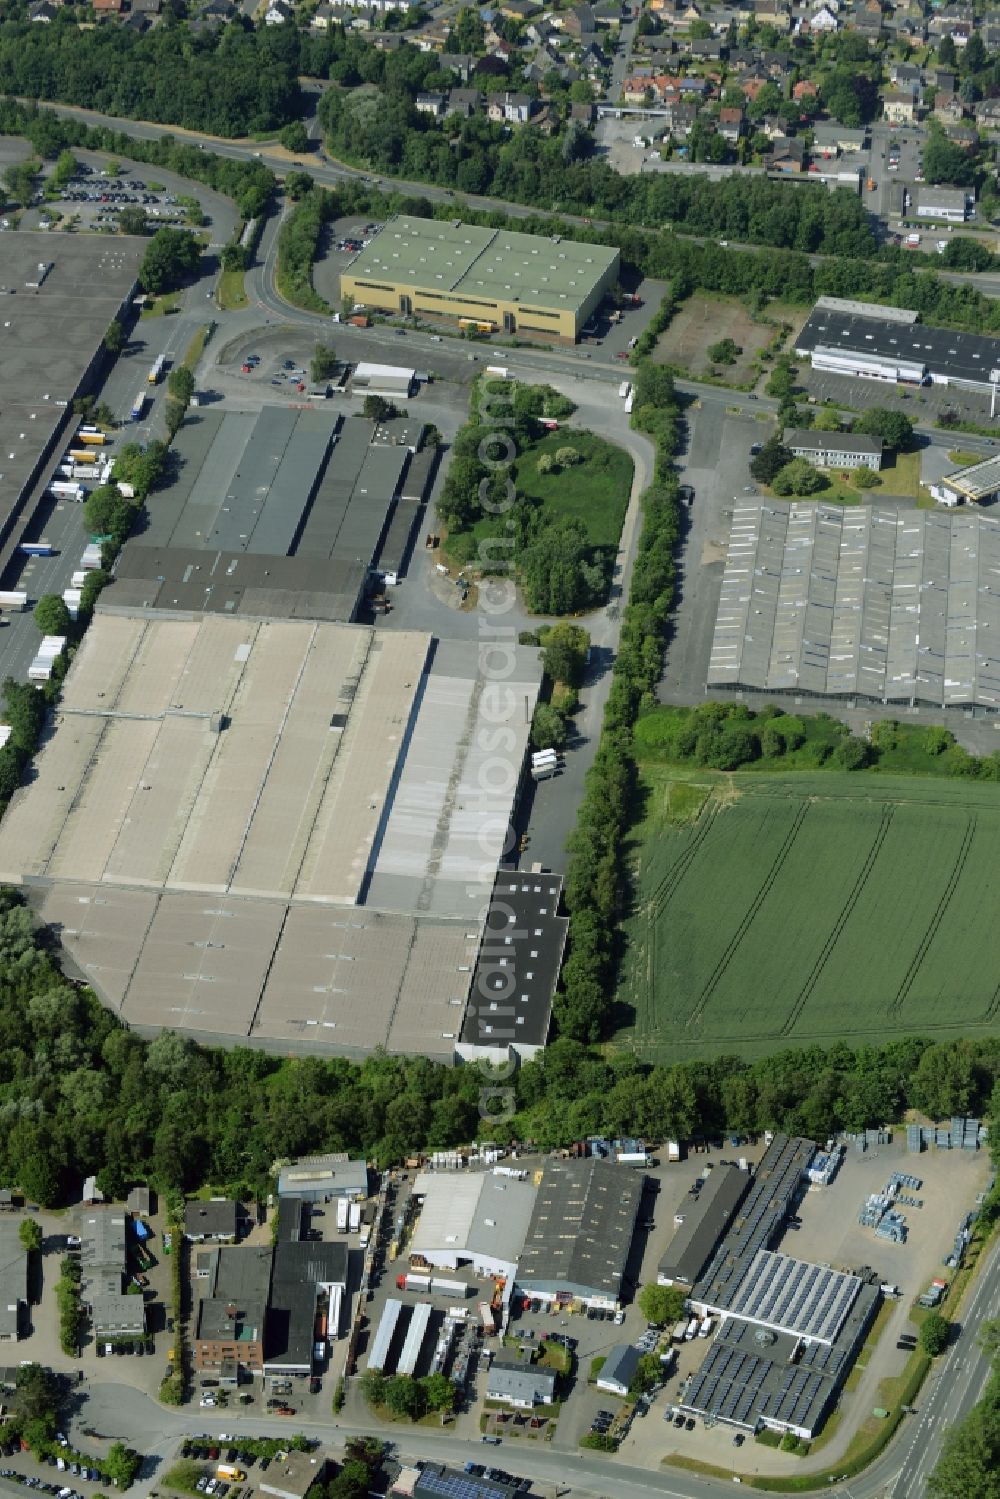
<point>472,1211</point>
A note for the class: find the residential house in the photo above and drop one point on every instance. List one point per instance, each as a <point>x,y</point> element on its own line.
<point>948,108</point>
<point>515,109</point>
<point>582,114</point>
<point>323,18</point>
<point>865,24</point>
<point>824,20</point>
<point>580,22</point>
<point>147,7</point>
<point>942,80</point>
<point>989,30</point>
<point>787,155</point>
<point>433,36</point>
<point>773,126</point>
<point>619,1369</point>
<point>987,114</point>
<point>898,108</point>
<point>731,125</point>
<point>464,102</point>
<point>430,104</point>
<point>706,49</point>
<point>108,7</point>
<point>215,1221</point>
<point>520,1383</point>
<point>961,133</point>
<point>519,10</point>
<point>774,13</point>
<point>680,118</point>
<point>903,75</point>
<point>805,89</point>
<point>277,13</point>
<point>42,10</point>
<point>591,60</point>
<point>830,139</point>
<point>607,12</point>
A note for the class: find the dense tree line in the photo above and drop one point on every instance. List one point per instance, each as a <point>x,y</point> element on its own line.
<point>596,877</point>
<point>249,183</point>
<point>79,1093</point>
<point>969,1465</point>
<point>230,82</point>
<point>298,246</point>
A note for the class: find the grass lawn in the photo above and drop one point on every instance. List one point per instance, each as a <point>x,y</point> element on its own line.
<point>595,492</point>
<point>900,475</point>
<point>196,348</point>
<point>964,457</point>
<point>170,302</point>
<point>232,292</point>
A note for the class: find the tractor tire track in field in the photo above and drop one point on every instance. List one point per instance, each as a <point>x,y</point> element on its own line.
<point>654,907</point>
<point>846,910</point>
<point>937,918</point>
<point>661,896</point>
<point>748,917</point>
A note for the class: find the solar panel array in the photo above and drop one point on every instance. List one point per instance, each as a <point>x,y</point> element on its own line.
<point>453,1484</point>
<point>728,1385</point>
<point>760,1217</point>
<point>795,1296</point>
<point>793,1398</point>
<point>744,1383</point>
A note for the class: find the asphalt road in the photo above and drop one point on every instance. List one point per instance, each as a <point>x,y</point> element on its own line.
<point>122,1411</point>
<point>901,1472</point>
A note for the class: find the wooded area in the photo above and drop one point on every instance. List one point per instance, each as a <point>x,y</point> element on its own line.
<point>81,1094</point>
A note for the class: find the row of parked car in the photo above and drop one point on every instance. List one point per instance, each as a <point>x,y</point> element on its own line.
<point>205,1452</point>
<point>41,1485</point>
<point>139,1347</point>
<point>497,1475</point>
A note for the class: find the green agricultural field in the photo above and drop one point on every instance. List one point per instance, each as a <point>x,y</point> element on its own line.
<point>790,909</point>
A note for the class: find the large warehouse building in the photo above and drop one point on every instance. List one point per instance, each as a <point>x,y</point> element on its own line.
<point>278,514</point>
<point>496,279</point>
<point>789,1328</point>
<point>59,295</point>
<point>580,1235</point>
<point>879,603</point>
<point>219,799</point>
<point>866,341</point>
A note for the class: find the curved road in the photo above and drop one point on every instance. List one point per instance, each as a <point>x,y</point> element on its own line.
<point>958,1378</point>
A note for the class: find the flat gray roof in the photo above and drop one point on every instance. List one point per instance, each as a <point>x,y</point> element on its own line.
<point>831,442</point>
<point>878,602</point>
<point>220,756</point>
<point>475,1212</point>
<point>944,352</point>
<point>49,339</point>
<point>189,580</point>
<point>244,480</point>
<point>490,263</point>
<point>581,1229</point>
<point>446,831</point>
<point>706,1218</point>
